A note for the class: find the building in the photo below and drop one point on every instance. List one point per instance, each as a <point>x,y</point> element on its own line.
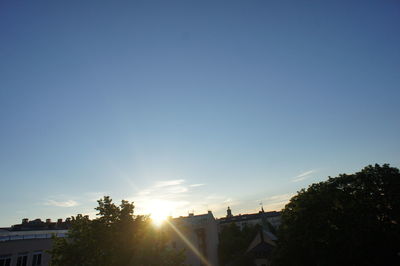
<point>198,236</point>
<point>263,225</point>
<point>26,243</point>
<point>261,248</point>
<point>266,219</point>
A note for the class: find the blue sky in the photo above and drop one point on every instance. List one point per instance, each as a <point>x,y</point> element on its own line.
<point>200,104</point>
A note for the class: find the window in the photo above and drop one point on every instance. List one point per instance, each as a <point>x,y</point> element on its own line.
<point>37,259</point>
<point>5,260</point>
<point>22,259</point>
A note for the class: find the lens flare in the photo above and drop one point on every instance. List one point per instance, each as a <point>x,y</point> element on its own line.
<point>188,243</point>
<point>159,210</point>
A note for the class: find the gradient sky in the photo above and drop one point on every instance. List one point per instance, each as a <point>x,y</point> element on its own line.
<point>192,104</point>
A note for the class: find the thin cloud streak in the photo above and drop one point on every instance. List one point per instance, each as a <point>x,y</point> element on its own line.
<point>169,183</point>
<point>164,189</point>
<point>277,202</point>
<point>304,176</point>
<point>306,173</point>
<point>66,204</point>
<point>196,185</point>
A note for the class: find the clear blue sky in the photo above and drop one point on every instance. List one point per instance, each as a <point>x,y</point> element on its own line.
<point>202,104</point>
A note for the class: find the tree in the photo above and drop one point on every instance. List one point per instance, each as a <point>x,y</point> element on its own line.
<point>233,244</point>
<point>347,220</point>
<point>116,237</point>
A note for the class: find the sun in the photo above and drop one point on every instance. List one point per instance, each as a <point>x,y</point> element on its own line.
<point>158,219</point>
<point>159,211</point>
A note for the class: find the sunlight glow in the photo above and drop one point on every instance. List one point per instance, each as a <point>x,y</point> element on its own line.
<point>188,243</point>
<point>159,210</point>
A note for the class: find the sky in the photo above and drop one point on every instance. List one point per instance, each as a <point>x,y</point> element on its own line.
<point>189,106</point>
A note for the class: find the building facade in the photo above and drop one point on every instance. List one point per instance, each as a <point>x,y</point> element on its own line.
<point>27,243</point>
<point>198,236</point>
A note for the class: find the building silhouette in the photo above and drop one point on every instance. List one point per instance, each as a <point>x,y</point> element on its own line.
<point>26,243</point>
<point>269,220</point>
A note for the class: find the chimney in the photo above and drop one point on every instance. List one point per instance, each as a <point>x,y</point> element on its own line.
<point>25,221</point>
<point>48,221</point>
<point>59,221</point>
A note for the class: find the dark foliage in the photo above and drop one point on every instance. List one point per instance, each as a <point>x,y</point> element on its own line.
<point>233,244</point>
<point>116,237</point>
<point>347,220</point>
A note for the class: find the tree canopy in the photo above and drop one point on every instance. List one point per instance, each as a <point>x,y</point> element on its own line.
<point>116,237</point>
<point>352,219</point>
<point>233,244</point>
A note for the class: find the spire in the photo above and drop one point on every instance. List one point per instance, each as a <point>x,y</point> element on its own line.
<point>228,213</point>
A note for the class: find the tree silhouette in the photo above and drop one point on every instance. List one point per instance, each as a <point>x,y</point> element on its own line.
<point>347,220</point>
<point>116,237</point>
<point>233,244</point>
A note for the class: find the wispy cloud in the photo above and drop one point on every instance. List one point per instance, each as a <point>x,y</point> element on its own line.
<point>277,202</point>
<point>162,197</point>
<point>67,203</point>
<point>164,189</point>
<point>196,185</point>
<point>228,200</point>
<point>169,183</point>
<point>177,197</point>
<point>280,197</point>
<point>304,175</point>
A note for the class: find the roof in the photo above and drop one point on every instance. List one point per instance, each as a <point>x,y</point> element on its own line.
<point>247,217</point>
<point>194,219</point>
<point>262,244</point>
<point>39,225</point>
